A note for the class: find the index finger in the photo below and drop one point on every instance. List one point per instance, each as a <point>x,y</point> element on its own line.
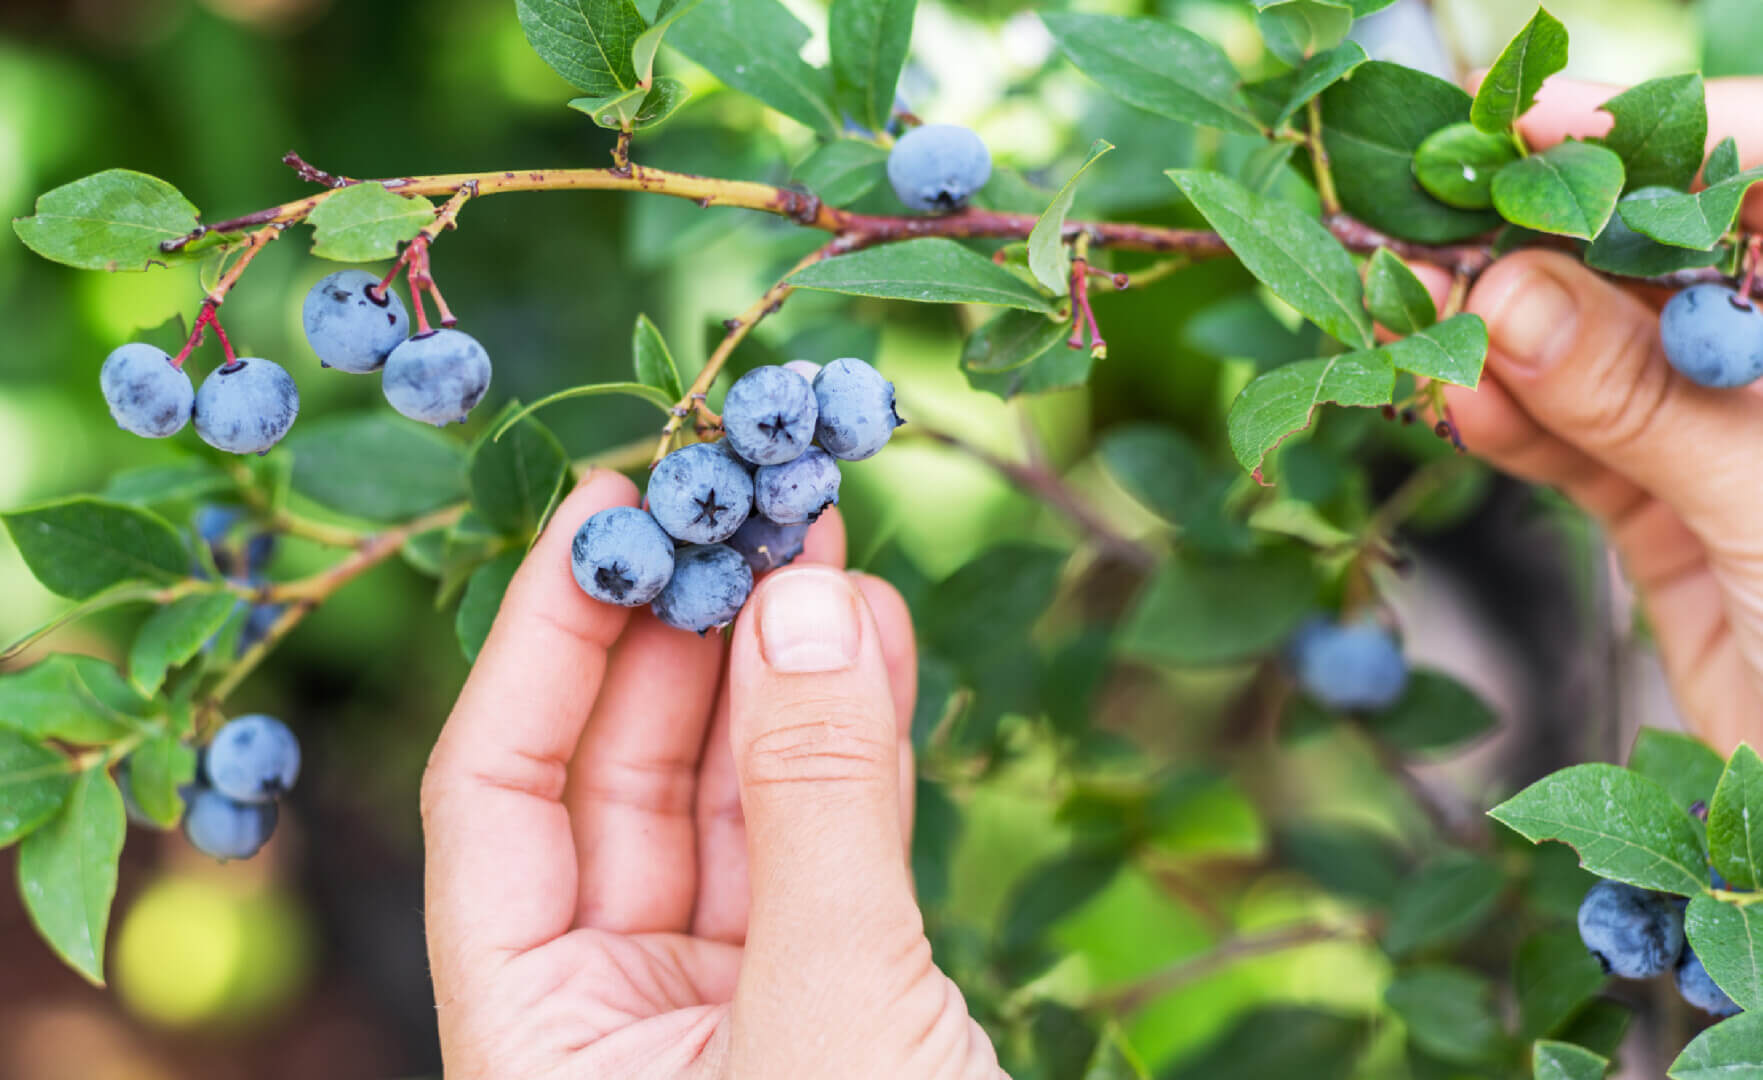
<point>501,870</point>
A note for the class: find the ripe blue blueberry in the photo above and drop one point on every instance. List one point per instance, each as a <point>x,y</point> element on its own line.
<point>1700,990</point>
<point>769,415</point>
<point>620,556</point>
<point>1634,933</point>
<point>247,406</point>
<point>766,545</point>
<point>252,759</point>
<point>856,405</point>
<point>938,167</point>
<point>147,395</point>
<point>437,377</point>
<point>1352,666</point>
<point>799,490</point>
<point>699,494</point>
<point>808,369</point>
<point>224,828</point>
<point>347,327</point>
<point>1711,339</point>
<point>710,583</point>
<point>257,623</point>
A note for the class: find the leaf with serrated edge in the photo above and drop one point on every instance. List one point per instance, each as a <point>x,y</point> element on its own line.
<point>1695,221</point>
<point>1397,299</point>
<point>113,220</point>
<point>1728,939</point>
<point>930,270</point>
<point>1624,826</point>
<point>755,46</point>
<point>1621,250</point>
<point>80,546</point>
<point>1284,401</point>
<point>1510,86</point>
<point>1570,189</point>
<point>662,101</point>
<point>1730,1050</point>
<point>1156,65</point>
<point>1047,257</point>
<point>67,872</point>
<point>1735,842</point>
<point>1565,1061</point>
<point>1661,126</point>
<point>1452,351</point>
<point>588,42</point>
<point>364,222</point>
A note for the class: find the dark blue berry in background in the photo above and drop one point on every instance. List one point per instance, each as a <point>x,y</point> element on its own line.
<point>766,545</point>
<point>699,494</point>
<point>1700,990</point>
<point>349,329</point>
<point>146,394</point>
<point>620,556</point>
<point>1711,340</point>
<point>797,491</point>
<point>1353,666</point>
<point>437,377</point>
<point>709,584</point>
<point>252,759</point>
<point>856,407</point>
<point>768,415</point>
<point>1633,933</point>
<point>225,828</point>
<point>246,406</point>
<point>938,167</point>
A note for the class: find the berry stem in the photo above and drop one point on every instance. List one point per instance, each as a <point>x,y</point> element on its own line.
<point>1325,189</point>
<point>1158,984</point>
<point>216,296</point>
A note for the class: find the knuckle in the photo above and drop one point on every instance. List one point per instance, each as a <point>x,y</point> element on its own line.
<point>829,742</point>
<point>1636,388</point>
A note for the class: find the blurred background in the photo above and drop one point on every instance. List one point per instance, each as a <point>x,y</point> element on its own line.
<point>308,961</point>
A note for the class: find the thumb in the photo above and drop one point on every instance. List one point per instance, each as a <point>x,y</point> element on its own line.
<point>1583,358</point>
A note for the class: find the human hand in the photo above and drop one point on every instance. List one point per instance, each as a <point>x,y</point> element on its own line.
<point>643,862</point>
<point>1578,395</point>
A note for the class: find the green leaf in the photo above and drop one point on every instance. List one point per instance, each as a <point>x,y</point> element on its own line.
<point>755,46</point>
<point>844,170</point>
<point>150,485</point>
<point>649,41</point>
<point>80,546</point>
<point>1661,126</point>
<point>1348,859</point>
<point>1448,1011</point>
<point>51,700</point>
<point>1599,1027</point>
<point>1053,890</point>
<point>364,222</point>
<point>988,604</point>
<point>1623,825</point>
<point>482,599</point>
<point>1284,401</point>
<point>652,361</point>
<point>1456,165</point>
<point>1730,1050</point>
<point>1435,712</point>
<point>1157,66</point>
<point>108,687</point>
<point>1685,766</point>
<point>113,220</point>
<point>1047,258</point>
<point>1310,1043</point>
<point>662,101</point>
<point>1114,1058</point>
<point>157,770</point>
<point>612,111</point>
<point>174,634</point>
<point>1446,901</point>
<point>1565,1061</point>
<point>1291,253</point>
<point>1737,846</point>
<point>1160,468</point>
<point>1570,189</point>
<point>1396,298</point>
<point>1296,30</point>
<point>1053,370</point>
<point>932,270</point>
<point>1264,166</point>
<point>1011,339</point>
<point>1728,939</point>
<point>1200,611</point>
<point>936,832</point>
<point>1621,250</point>
<point>515,471</point>
<point>1452,351</point>
<point>414,470</point>
<point>638,390</point>
<point>868,40</point>
<point>588,42</point>
<point>1723,163</point>
<point>1372,125</point>
<point>34,781</point>
<point>1510,86</point>
<point>1554,977</point>
<point>1285,94</point>
<point>67,872</point>
<point>1695,221</point>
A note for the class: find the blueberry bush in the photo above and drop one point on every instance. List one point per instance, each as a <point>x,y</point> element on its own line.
<point>1224,558</point>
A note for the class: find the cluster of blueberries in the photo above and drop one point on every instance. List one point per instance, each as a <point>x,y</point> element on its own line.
<point>247,405</point>
<point>230,810</point>
<point>1351,666</point>
<point>1637,934</point>
<point>1713,335</point>
<point>720,512</point>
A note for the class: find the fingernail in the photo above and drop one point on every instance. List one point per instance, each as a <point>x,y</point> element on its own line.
<point>1534,325</point>
<point>808,621</point>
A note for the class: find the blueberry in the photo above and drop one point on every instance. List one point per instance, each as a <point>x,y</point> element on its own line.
<point>257,624</point>
<point>938,166</point>
<point>1634,933</point>
<point>349,329</point>
<point>1351,666</point>
<point>769,415</point>
<point>856,405</point>
<point>766,545</point>
<point>1700,990</point>
<point>808,369</point>
<point>699,494</point>
<point>799,490</point>
<point>146,393</point>
<point>247,406</point>
<point>252,759</point>
<point>218,826</point>
<point>710,583</point>
<point>214,522</point>
<point>437,377</point>
<point>728,450</point>
<point>620,556</point>
<point>1711,340</point>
